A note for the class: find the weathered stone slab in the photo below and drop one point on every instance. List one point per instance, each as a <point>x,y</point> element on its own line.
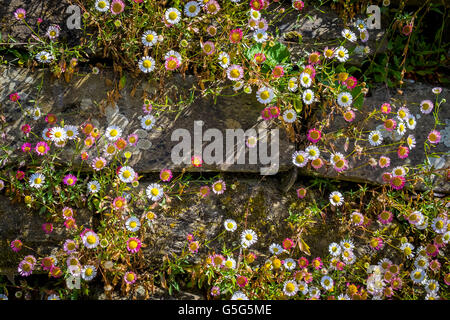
<point>413,95</point>
<point>84,99</point>
<point>20,222</point>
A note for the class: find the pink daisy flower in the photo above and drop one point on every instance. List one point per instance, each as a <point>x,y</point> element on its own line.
<point>119,203</point>
<point>235,35</point>
<point>16,245</point>
<point>219,187</point>
<point>376,243</point>
<point>70,223</point>
<point>25,268</point>
<point>130,277</point>
<point>133,139</point>
<point>310,70</point>
<point>351,82</point>
<point>165,175</point>
<point>172,63</point>
<point>98,163</point>
<point>298,5</point>
<point>387,176</point>
<point>314,135</point>
<point>317,163</point>
<point>70,180</point>
<point>390,124</point>
<point>42,148</point>
<point>194,246</point>
<point>215,291</point>
<point>147,108</point>
<point>84,156</point>
<point>301,193</point>
<point>303,262</point>
<point>25,128</point>
<point>274,112</point>
<point>349,115</point>
<point>50,118</point>
<point>133,245</point>
<point>20,14</point>
<point>70,246</point>
<point>241,281</point>
<point>434,137</point>
<point>47,263</point>
<point>402,152</point>
<point>386,108</point>
<point>278,72</point>
<point>385,217</point>
<point>407,29</point>
<point>190,237</point>
<point>398,182</point>
<point>47,227</point>
<point>259,58</point>
<point>19,175</point>
<point>426,106</point>
<point>317,263</point>
<point>26,147</point>
<point>117,7</point>
<point>256,4</point>
<point>287,243</point>
<point>204,191</point>
<point>196,161</point>
<point>384,162</point>
<point>208,47</point>
<point>265,114</point>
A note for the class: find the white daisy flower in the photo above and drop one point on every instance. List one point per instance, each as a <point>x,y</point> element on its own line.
<point>418,276</point>
<point>345,99</point>
<point>265,95</point>
<point>290,288</point>
<point>147,64</point>
<point>149,38</point>
<point>260,36</point>
<point>58,134</point>
<point>230,263</point>
<point>102,5</point>
<point>36,113</point>
<point>341,54</point>
<point>411,122</point>
<point>238,295</point>
<point>334,249</point>
<point>113,133</point>
<point>411,141</point>
<point>133,224</point>
<point>230,225</point>
<point>275,249</point>
<point>375,138</point>
<point>407,249</point>
<point>300,158</point>
<point>44,57</point>
<point>154,192</point>
<point>421,262</point>
<point>292,84</point>
<point>191,9</point>
<point>308,96</point>
<point>71,132</point>
<point>327,283</point>
<point>254,14</point>
<point>303,287</point>
<point>313,152</point>
<point>305,80</point>
<point>431,286</point>
<point>336,198</point>
<point>335,157</point>
<point>289,116</point>
<point>349,35</point>
<point>172,15</point>
<point>401,128</point>
<point>93,186</point>
<point>403,114</point>
<point>88,272</point>
<point>224,60</point>
<point>398,171</point>
<point>37,180</point>
<point>347,244</point>
<point>126,174</point>
<point>90,240</point>
<point>237,85</point>
<point>290,264</point>
<point>248,237</point>
<point>147,122</point>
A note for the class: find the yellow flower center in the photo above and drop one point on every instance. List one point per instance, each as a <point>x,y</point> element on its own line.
<point>336,199</point>
<point>265,95</point>
<point>88,272</point>
<point>218,187</point>
<point>37,180</point>
<point>133,244</point>
<point>147,64</point>
<point>130,277</point>
<point>155,192</point>
<point>91,239</point>
<point>299,158</point>
<point>235,73</point>
<point>133,224</point>
<point>248,236</point>
<point>290,287</point>
<point>192,8</point>
<point>102,4</point>
<point>149,37</point>
<point>173,15</point>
